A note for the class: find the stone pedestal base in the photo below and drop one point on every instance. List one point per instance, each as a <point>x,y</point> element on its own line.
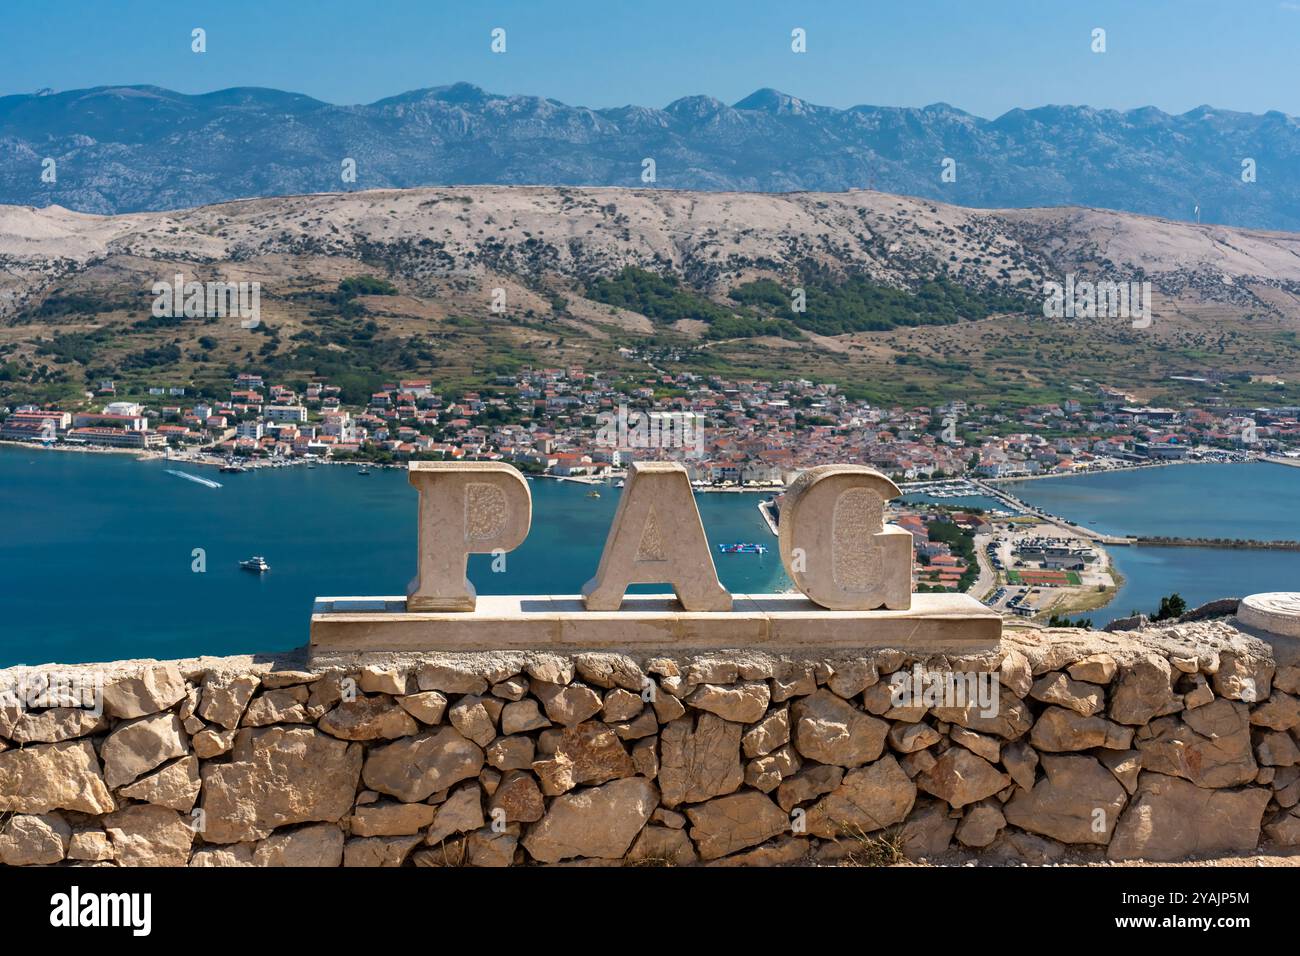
<point>935,623</point>
<point>1277,612</point>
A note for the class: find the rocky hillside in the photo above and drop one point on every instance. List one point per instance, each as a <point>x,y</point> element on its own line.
<point>1224,299</point>
<point>120,149</point>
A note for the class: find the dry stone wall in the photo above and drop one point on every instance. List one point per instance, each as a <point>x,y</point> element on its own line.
<point>1156,744</point>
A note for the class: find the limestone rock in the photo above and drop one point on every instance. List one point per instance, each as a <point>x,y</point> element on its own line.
<point>1079,801</point>
<point>832,731</point>
<point>1006,717</point>
<point>1095,669</point>
<point>511,753</point>
<point>512,689</point>
<point>175,785</point>
<point>1144,691</point>
<point>1021,761</point>
<point>155,688</point>
<point>645,757</point>
<point>643,725</point>
<point>1210,746</point>
<point>868,798</point>
<point>369,718</point>
<point>1124,764</point>
<point>58,723</point>
<point>610,670</point>
<point>61,776</point>
<point>798,681</point>
<point>990,748</point>
<point>743,703</point>
<point>474,718</point>
<point>412,768</point>
<point>662,846</point>
<point>491,848</point>
<point>852,677</point>
<point>699,759</point>
<point>1277,749</point>
<point>732,823</point>
<point>667,707</point>
<point>237,854</point>
<point>225,698</point>
<point>278,776</point>
<point>620,705</point>
<point>30,839</point>
<point>568,705</point>
<point>1080,697</point>
<point>769,733</point>
<point>522,716</point>
<point>147,835</point>
<point>1243,678</point>
<point>980,826</point>
<point>1015,673</point>
<point>518,798</point>
<point>318,844</point>
<point>282,706</point>
<point>1058,730</point>
<point>927,831</point>
<point>90,845</point>
<point>551,669</point>
<point>808,785</point>
<point>909,738</point>
<point>595,752</point>
<point>1171,818</point>
<point>596,822</point>
<point>461,813</point>
<point>450,679</point>
<point>765,773</point>
<point>427,706</point>
<point>209,743</point>
<point>1284,829</point>
<point>391,818</point>
<point>960,777</point>
<point>137,746</point>
<point>378,851</point>
<point>1279,712</point>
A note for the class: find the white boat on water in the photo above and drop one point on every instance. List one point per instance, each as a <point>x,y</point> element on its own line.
<point>206,482</point>
<point>257,564</point>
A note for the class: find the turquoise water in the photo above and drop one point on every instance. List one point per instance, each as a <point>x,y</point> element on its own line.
<point>96,552</point>
<point>1188,501</point>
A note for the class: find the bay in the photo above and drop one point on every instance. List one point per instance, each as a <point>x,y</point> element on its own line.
<point>1241,500</point>
<point>97,552</point>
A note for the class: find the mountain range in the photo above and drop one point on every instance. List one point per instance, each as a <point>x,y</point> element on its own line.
<point>137,148</point>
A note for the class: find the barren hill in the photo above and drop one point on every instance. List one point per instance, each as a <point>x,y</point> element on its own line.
<point>1226,300</point>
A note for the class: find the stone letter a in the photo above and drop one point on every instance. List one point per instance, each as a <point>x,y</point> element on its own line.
<point>657,538</point>
<point>470,507</point>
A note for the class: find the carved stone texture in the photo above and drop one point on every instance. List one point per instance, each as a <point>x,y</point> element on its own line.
<point>835,544</point>
<point>657,538</point>
<point>1275,611</point>
<point>471,507</point>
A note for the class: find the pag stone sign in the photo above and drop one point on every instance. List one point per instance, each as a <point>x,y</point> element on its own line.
<point>852,571</point>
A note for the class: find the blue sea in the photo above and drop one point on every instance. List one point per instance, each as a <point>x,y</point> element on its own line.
<point>97,552</point>
<point>1248,500</point>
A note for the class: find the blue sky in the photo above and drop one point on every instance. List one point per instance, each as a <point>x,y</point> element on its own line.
<point>985,56</point>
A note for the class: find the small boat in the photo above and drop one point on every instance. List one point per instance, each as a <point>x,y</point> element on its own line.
<point>363,470</point>
<point>743,547</point>
<point>257,564</point>
<point>593,494</point>
<point>232,468</point>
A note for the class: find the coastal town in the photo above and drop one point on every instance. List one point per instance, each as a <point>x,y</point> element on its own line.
<point>731,435</point>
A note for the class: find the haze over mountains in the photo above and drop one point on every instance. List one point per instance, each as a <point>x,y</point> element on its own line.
<point>124,149</point>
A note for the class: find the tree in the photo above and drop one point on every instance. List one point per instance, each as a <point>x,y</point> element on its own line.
<point>1171,607</point>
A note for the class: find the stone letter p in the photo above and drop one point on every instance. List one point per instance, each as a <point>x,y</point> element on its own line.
<point>471,507</point>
